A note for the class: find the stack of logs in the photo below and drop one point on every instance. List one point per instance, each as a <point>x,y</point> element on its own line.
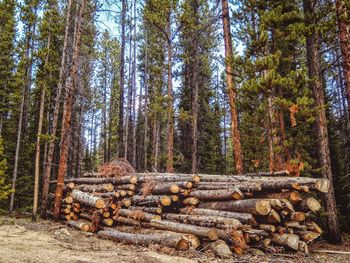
<point>269,211</point>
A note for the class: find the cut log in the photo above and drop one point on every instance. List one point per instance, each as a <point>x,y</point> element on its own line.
<point>220,249</point>
<point>131,187</point>
<point>272,218</point>
<point>160,188</point>
<point>152,210</point>
<point>244,218</point>
<point>288,240</point>
<point>130,193</point>
<point>174,198</point>
<point>106,214</point>
<point>151,200</point>
<point>108,194</point>
<point>122,193</point>
<point>312,226</point>
<point>267,227</point>
<point>297,216</point>
<point>65,211</point>
<point>95,187</point>
<point>212,195</point>
<point>167,177</point>
<point>309,204</point>
<point>190,201</point>
<point>293,196</point>
<point>307,236</point>
<point>68,200</point>
<point>244,187</point>
<point>88,199</point>
<point>70,185</point>
<point>252,206</point>
<point>80,225</point>
<point>203,232</point>
<point>126,203</point>
<point>107,221</point>
<point>128,179</point>
<point>198,219</point>
<point>303,247</point>
<point>138,215</point>
<point>166,239</point>
<point>294,224</point>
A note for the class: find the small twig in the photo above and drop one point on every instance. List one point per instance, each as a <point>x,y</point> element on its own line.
<point>331,251</point>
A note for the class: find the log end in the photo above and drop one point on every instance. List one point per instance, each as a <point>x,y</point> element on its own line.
<point>165,200</point>
<point>174,188</point>
<point>100,203</point>
<point>263,207</point>
<point>133,179</point>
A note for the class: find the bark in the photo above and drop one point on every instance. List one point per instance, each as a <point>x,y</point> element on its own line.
<point>164,188</point>
<point>247,187</point>
<point>145,140</point>
<point>344,34</point>
<point>298,216</point>
<point>167,239</point>
<point>197,219</point>
<point>236,137</point>
<point>133,162</point>
<point>95,188</point>
<point>127,179</point>
<point>272,218</point>
<point>212,195</point>
<point>293,196</point>
<point>88,199</point>
<point>244,218</point>
<point>122,77</point>
<point>267,227</point>
<point>315,74</point>
<point>62,73</point>
<point>307,236</point>
<point>190,201</point>
<point>125,187</point>
<point>221,249</point>
<point>165,177</point>
<point>253,206</point>
<point>203,232</point>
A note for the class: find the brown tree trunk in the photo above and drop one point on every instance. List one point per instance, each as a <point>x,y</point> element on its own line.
<point>62,74</point>
<point>344,34</point>
<point>67,114</point>
<point>236,137</point>
<point>37,146</point>
<point>315,74</point>
<point>122,72</point>
<point>170,110</point>
<point>145,140</point>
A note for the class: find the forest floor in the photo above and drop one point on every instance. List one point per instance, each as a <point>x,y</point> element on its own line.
<point>44,241</point>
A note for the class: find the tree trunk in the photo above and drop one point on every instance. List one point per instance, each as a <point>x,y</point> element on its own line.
<point>112,180</point>
<point>344,34</point>
<point>62,74</point>
<point>315,74</point>
<point>145,141</point>
<point>67,113</point>
<point>236,137</point>
<point>245,218</point>
<point>170,110</point>
<point>253,206</point>
<point>122,72</point>
<point>223,194</point>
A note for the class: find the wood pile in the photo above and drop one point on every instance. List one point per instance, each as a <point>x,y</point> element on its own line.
<point>273,212</point>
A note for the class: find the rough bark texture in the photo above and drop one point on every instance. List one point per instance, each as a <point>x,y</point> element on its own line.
<point>236,137</point>
<point>212,195</point>
<point>314,66</point>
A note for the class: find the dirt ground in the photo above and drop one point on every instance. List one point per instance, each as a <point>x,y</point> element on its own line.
<point>24,241</point>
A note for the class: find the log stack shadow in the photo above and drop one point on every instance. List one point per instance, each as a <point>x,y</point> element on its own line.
<point>270,211</point>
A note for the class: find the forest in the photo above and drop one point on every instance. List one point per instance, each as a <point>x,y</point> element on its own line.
<point>174,86</point>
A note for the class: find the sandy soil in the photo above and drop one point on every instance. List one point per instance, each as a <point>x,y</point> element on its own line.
<point>45,241</point>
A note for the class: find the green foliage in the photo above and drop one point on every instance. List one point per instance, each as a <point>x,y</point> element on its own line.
<point>4,187</point>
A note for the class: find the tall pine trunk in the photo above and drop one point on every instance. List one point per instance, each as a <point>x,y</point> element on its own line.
<point>344,35</point>
<point>134,92</point>
<point>315,74</point>
<point>236,137</point>
<point>170,110</point>
<point>145,140</point>
<point>122,72</point>
<point>67,114</point>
